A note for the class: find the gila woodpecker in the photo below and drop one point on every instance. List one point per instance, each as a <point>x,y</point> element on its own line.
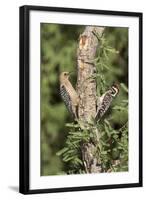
<point>105,101</point>
<point>68,94</point>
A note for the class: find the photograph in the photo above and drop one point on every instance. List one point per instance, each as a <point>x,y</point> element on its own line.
<point>84,99</point>
<point>80,99</point>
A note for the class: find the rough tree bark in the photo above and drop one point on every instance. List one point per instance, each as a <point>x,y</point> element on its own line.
<point>86,88</point>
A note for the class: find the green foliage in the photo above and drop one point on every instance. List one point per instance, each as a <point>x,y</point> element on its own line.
<point>58,53</point>
<point>113,143</point>
<point>112,147</point>
<point>58,46</point>
<point>71,153</point>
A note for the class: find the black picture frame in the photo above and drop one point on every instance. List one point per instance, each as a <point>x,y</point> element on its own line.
<point>25,105</point>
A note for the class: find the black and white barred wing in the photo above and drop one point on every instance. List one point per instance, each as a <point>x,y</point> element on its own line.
<point>103,105</point>
<point>67,99</point>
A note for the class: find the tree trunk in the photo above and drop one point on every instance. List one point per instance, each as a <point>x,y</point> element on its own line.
<point>86,88</point>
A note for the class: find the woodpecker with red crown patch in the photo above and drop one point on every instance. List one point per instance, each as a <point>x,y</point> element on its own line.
<point>105,101</point>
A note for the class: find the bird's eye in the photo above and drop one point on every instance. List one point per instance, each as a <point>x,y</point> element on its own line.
<point>65,74</point>
<point>113,91</point>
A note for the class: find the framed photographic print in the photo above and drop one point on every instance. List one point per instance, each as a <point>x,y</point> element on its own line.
<point>80,99</point>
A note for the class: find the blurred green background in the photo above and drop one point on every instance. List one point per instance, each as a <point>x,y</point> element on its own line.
<point>58,53</point>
